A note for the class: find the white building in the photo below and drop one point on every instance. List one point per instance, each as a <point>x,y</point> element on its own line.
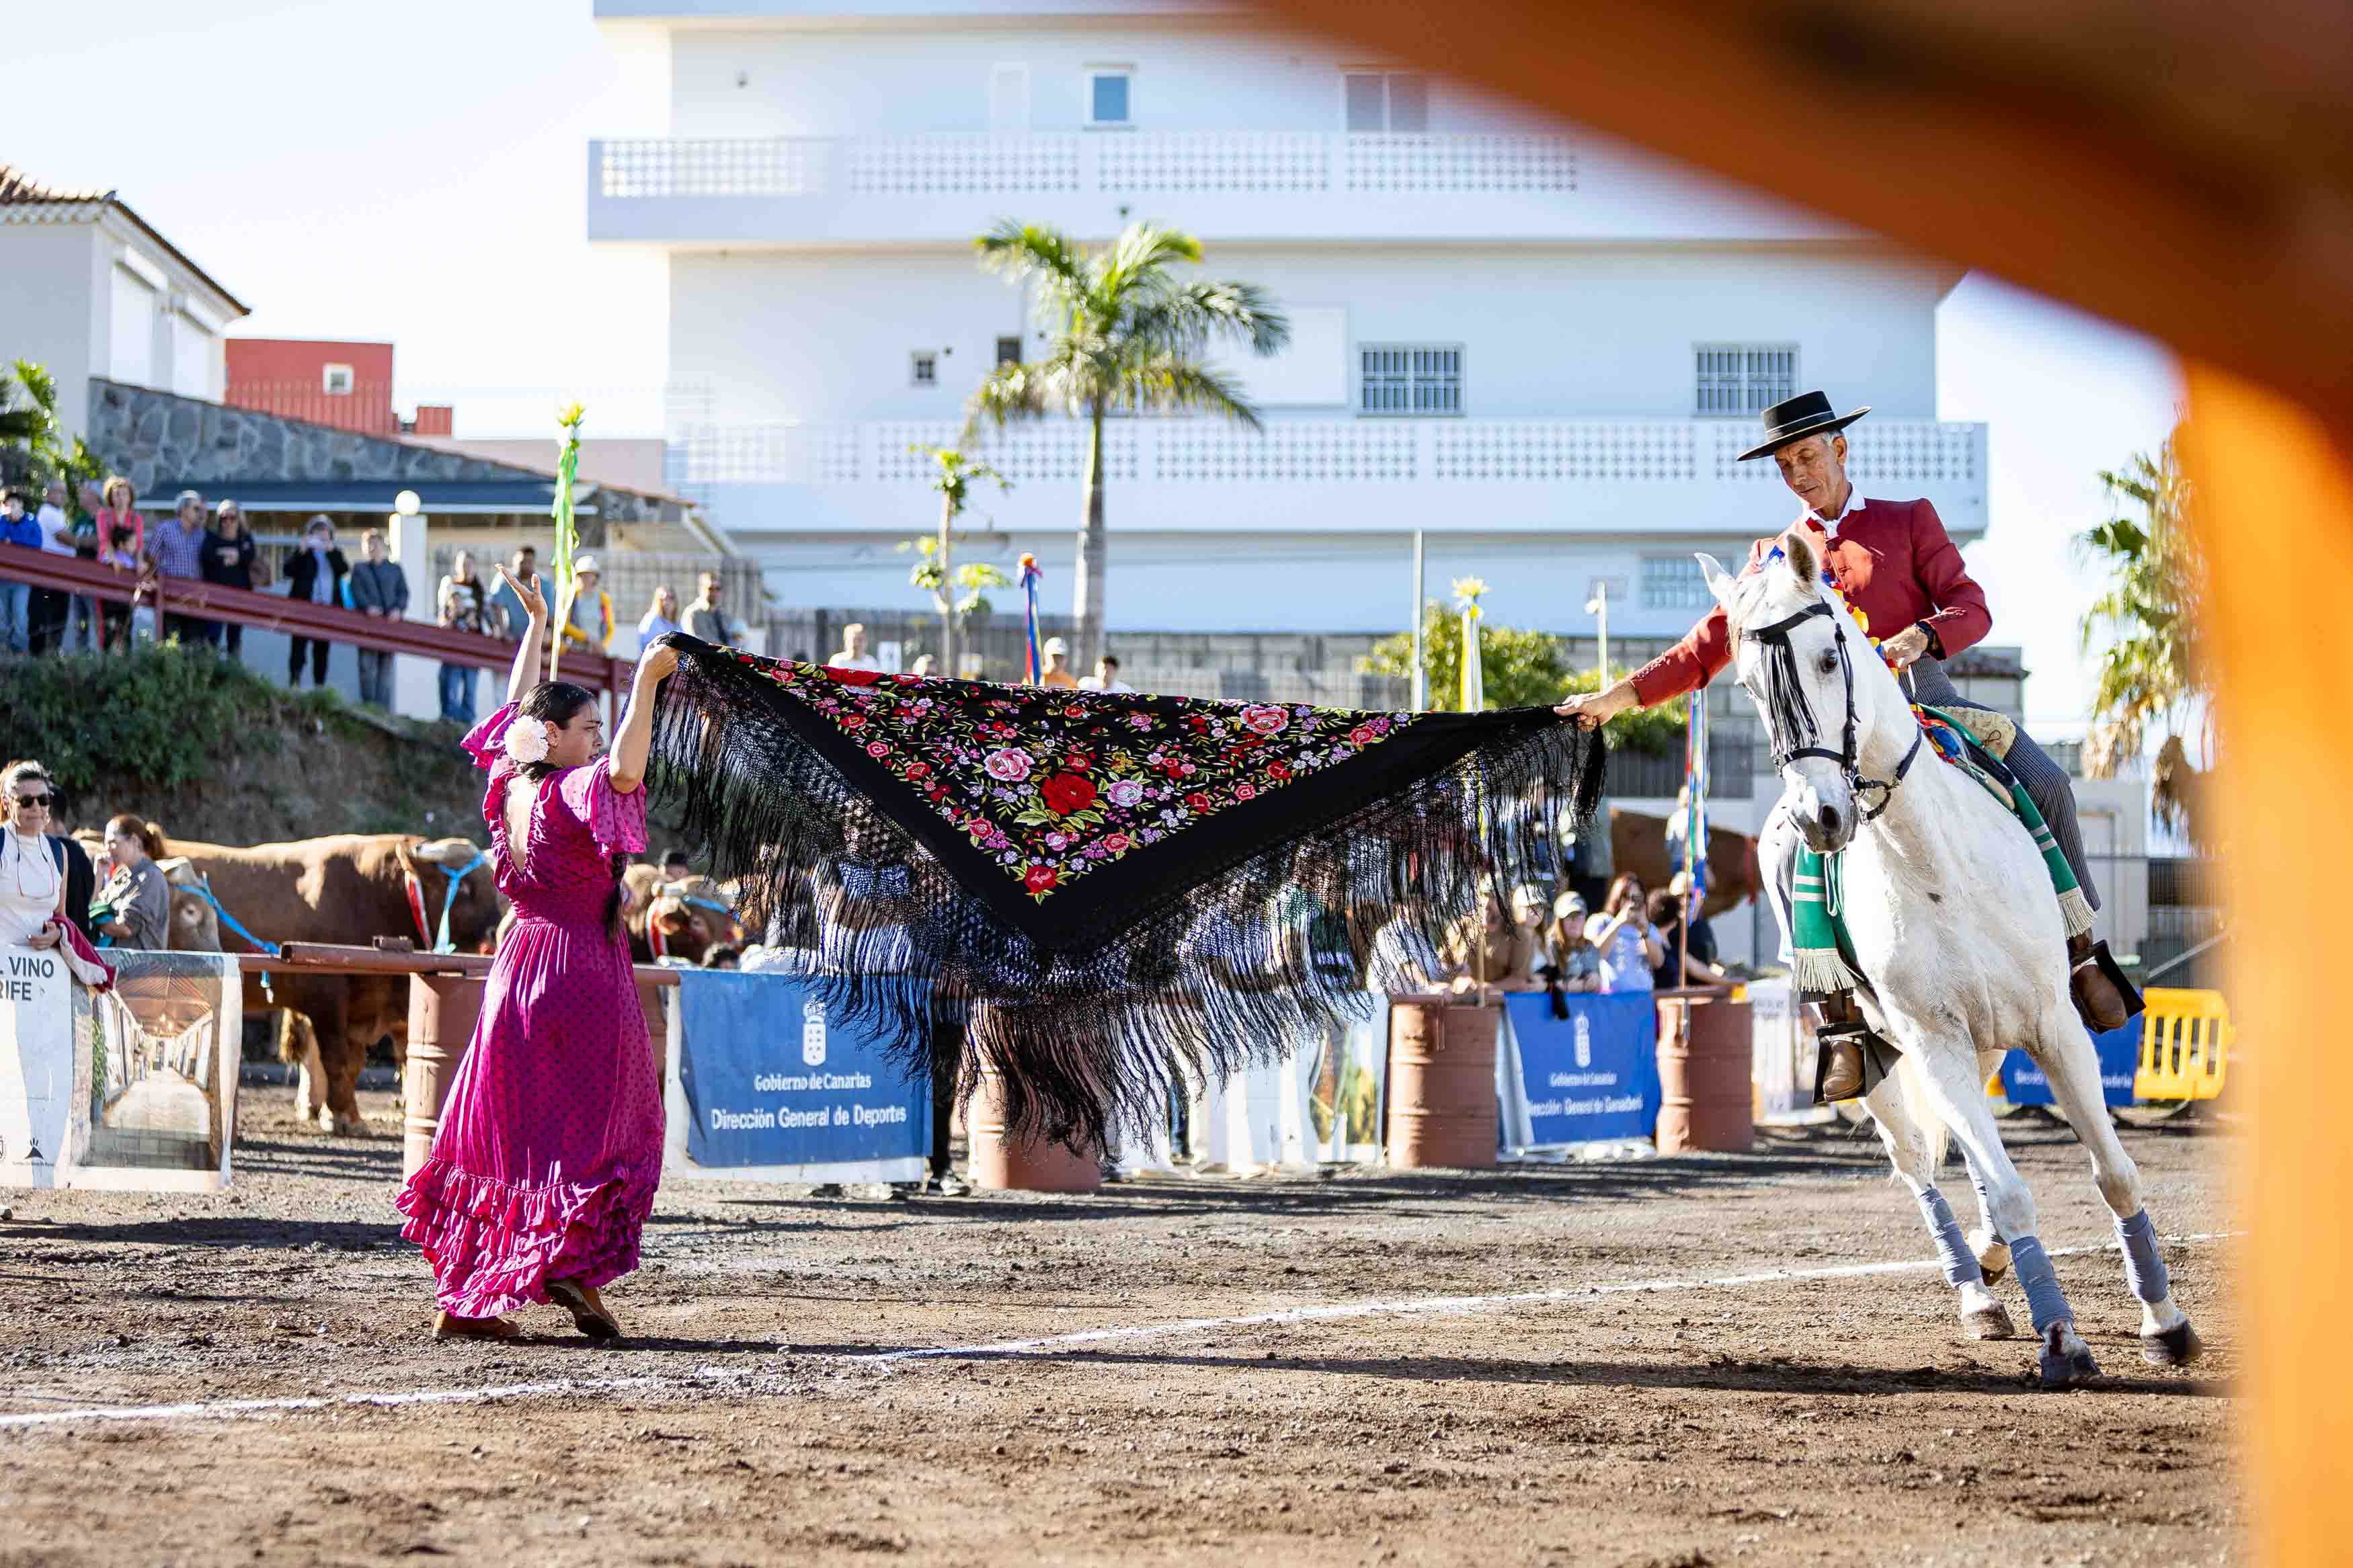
<point>88,289</point>
<point>1541,347</point>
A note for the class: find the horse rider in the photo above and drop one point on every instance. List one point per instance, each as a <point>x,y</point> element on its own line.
<point>1907,583</point>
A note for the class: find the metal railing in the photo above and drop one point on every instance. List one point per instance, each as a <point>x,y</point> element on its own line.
<point>986,162</point>
<point>185,596</point>
<point>1183,451</point>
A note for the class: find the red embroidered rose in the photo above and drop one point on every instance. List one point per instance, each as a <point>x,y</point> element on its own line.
<point>853,676</point>
<point>1266,720</point>
<point>1363,735</point>
<point>877,749</point>
<point>854,720</point>
<point>1118,843</point>
<point>1245,791</point>
<point>1197,801</point>
<point>1067,793</point>
<point>1278,769</point>
<point>919,770</point>
<point>1041,878</point>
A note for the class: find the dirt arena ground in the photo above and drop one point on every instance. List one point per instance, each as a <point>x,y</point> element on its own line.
<point>1692,1372</point>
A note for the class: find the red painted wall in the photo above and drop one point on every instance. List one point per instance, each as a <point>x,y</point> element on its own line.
<point>287,376</point>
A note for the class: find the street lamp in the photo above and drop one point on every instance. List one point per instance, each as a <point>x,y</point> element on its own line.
<point>1598,606</point>
<point>407,504</point>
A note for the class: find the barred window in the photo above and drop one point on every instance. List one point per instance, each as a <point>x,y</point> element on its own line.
<point>1737,379</point>
<point>923,369</point>
<point>1674,583</point>
<point>1409,378</point>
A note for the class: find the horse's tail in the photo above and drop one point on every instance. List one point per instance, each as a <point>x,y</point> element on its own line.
<point>1912,1084</point>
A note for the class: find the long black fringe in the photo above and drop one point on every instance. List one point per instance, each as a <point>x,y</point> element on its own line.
<point>1194,983</point>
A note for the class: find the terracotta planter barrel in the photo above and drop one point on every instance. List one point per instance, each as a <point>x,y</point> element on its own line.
<point>1442,1107</point>
<point>442,1012</point>
<point>1705,1056</point>
<point>1022,1164</point>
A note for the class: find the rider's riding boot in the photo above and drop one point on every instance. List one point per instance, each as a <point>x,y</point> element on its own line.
<point>1841,1042</point>
<point>2098,998</point>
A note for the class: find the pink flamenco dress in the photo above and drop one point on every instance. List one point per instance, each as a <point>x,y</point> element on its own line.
<point>550,1146</point>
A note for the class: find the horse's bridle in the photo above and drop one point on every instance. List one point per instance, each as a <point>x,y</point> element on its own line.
<point>1789,717</point>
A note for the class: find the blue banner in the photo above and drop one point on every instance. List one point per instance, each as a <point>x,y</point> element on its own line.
<point>2022,1082</point>
<point>772,1078</point>
<point>1592,1076</point>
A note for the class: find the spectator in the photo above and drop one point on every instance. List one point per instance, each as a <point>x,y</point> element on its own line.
<point>1107,676</point>
<point>380,590</point>
<point>676,864</point>
<point>178,546</point>
<point>137,909</point>
<point>853,654</point>
<point>38,892</point>
<point>589,627</point>
<point>704,619</point>
<point>724,956</point>
<point>1057,673</point>
<point>1630,948</point>
<point>1593,859</point>
<point>1570,962</point>
<point>507,612</point>
<point>50,605</point>
<point>661,618</point>
<point>462,604</point>
<point>1403,960</point>
<point>924,667</point>
<point>1667,911</point>
<point>232,561</point>
<point>87,625</point>
<point>119,535</point>
<point>16,598</point>
<point>314,574</point>
<point>1495,946</point>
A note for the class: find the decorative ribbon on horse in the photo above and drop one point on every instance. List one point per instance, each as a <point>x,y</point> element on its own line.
<point>1824,961</point>
<point>1100,870</point>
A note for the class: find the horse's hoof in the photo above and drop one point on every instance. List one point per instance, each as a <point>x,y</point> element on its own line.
<point>2075,1370</point>
<point>2177,1346</point>
<point>1989,1323</point>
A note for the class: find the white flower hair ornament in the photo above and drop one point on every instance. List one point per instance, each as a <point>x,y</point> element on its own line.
<point>527,740</point>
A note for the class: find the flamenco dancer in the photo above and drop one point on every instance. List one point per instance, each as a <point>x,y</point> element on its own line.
<point>550,1149</point>
<point>1905,582</point>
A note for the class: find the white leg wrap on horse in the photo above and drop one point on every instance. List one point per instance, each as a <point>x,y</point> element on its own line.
<point>2144,1269</point>
<point>2044,1299</point>
<point>1952,1247</point>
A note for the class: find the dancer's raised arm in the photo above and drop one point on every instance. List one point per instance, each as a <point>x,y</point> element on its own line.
<point>526,674</point>
<point>636,736</point>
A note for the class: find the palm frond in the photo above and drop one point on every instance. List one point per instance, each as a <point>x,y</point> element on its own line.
<point>1173,383</point>
<point>1141,256</point>
<point>1022,252</point>
<point>1008,393</point>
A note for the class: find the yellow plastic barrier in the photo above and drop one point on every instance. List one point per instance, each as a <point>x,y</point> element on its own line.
<point>2185,1044</point>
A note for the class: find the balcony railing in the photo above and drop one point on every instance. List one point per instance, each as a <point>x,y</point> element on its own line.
<point>1913,455</point>
<point>1239,162</point>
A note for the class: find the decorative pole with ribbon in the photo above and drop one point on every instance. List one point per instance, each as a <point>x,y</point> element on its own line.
<point>1696,784</point>
<point>1030,575</point>
<point>1474,676</point>
<point>568,532</point>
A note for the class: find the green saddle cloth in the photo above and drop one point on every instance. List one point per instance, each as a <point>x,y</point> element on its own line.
<point>1825,960</point>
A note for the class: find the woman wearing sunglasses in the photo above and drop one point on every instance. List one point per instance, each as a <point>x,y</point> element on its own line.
<point>33,879</point>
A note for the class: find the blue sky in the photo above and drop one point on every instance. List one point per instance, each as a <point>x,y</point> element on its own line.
<point>416,173</point>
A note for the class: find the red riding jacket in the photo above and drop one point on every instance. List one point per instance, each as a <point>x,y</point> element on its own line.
<point>1894,564</point>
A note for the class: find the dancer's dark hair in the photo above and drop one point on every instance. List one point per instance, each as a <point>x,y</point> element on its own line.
<point>556,703</point>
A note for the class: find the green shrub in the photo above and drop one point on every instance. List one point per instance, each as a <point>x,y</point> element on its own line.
<point>1520,668</point>
<point>157,718</point>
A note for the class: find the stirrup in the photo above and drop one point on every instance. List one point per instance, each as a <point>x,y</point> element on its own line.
<point>2098,959</point>
<point>1878,1055</point>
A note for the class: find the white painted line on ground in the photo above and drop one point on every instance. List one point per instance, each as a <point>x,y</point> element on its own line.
<point>232,1409</point>
<point>1451,1305</point>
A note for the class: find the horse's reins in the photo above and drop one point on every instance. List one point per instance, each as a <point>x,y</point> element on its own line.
<point>1788,714</point>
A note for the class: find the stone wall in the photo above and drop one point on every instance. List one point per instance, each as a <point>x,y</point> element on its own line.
<point>159,439</point>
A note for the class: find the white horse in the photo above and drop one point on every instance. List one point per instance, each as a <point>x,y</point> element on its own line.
<point>1959,940</point>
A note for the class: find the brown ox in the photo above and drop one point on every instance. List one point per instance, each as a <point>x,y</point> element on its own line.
<point>1638,842</point>
<point>350,889</point>
<point>688,916</point>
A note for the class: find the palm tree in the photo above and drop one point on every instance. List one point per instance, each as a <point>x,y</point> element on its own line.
<point>1123,332</point>
<point>2152,670</point>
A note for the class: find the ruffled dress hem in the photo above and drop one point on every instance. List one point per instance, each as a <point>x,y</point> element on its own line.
<point>495,1246</point>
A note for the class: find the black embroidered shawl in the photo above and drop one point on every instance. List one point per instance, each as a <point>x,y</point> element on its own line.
<point>1099,881</point>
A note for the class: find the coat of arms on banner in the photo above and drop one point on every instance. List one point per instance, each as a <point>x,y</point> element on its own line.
<point>813,1033</point>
